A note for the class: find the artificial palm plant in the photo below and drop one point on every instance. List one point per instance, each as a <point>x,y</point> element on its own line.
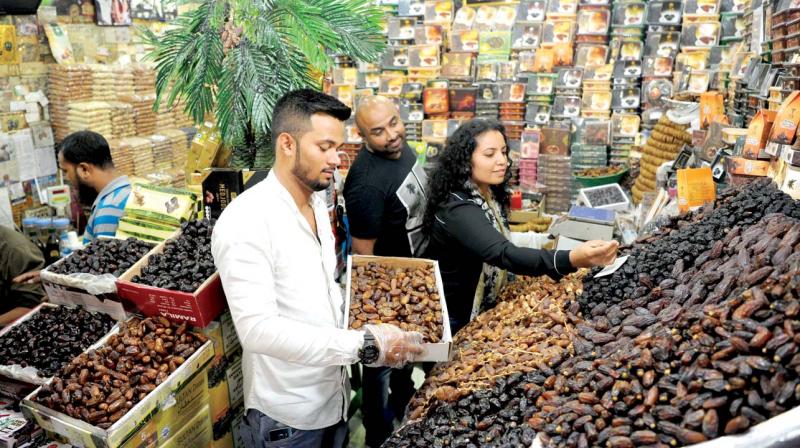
<point>234,59</point>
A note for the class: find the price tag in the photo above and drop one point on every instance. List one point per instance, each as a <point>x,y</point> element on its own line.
<point>612,268</point>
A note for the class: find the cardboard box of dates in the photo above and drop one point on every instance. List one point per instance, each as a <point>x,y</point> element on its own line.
<point>85,277</point>
<point>152,421</point>
<point>198,308</point>
<point>407,292</point>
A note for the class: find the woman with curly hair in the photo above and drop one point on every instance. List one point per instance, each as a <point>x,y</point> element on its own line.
<point>466,221</point>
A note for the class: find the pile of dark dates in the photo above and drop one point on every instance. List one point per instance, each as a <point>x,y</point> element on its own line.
<point>675,247</point>
<point>52,337</point>
<point>711,348</point>
<point>100,386</point>
<point>104,256</point>
<point>404,297</point>
<point>186,261</point>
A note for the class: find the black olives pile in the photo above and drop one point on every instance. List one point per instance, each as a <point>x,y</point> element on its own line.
<point>104,256</point>
<point>52,337</point>
<point>673,250</point>
<point>186,261</point>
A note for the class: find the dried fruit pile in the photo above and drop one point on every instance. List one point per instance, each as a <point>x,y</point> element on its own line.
<point>104,256</point>
<point>52,337</point>
<point>186,261</point>
<point>526,328</point>
<point>403,296</point>
<point>600,172</point>
<point>100,386</point>
<point>539,224</point>
<point>708,350</point>
<point>663,257</point>
<point>682,369</point>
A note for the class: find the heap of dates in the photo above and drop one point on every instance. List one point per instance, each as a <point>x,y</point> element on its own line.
<point>52,337</point>
<point>101,385</point>
<point>403,296</point>
<point>104,256</point>
<point>186,261</point>
<point>526,328</point>
<point>710,348</point>
<point>654,258</point>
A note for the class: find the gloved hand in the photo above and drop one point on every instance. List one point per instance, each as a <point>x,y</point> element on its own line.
<point>396,347</point>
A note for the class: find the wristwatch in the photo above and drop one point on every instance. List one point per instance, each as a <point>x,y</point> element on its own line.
<point>369,351</point>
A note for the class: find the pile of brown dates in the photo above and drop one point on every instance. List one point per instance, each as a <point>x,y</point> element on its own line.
<point>100,386</point>
<point>710,348</point>
<point>52,337</point>
<point>526,327</point>
<point>654,258</point>
<point>405,297</point>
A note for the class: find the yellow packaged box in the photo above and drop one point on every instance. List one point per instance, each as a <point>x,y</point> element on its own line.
<point>695,188</point>
<point>219,399</point>
<point>145,230</point>
<point>235,379</point>
<point>164,410</point>
<point>196,433</point>
<point>205,146</point>
<point>160,204</point>
<point>8,45</point>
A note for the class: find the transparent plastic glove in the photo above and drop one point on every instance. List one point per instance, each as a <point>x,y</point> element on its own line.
<point>396,347</point>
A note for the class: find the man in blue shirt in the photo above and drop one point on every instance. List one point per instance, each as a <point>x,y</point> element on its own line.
<point>85,161</point>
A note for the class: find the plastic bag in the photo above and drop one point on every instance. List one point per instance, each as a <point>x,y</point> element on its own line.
<point>93,284</point>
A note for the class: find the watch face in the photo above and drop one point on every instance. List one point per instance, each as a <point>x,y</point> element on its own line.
<point>369,354</point>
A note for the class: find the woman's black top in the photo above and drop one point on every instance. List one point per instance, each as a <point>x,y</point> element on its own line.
<point>462,239</point>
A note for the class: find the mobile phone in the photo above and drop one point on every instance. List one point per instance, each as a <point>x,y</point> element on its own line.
<point>280,434</point>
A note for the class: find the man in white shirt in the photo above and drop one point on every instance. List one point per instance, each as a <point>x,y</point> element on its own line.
<point>274,249</point>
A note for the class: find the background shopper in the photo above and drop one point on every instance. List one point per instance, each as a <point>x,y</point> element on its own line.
<point>385,198</point>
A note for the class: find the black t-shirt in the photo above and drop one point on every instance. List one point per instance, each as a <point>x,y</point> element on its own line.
<point>385,200</point>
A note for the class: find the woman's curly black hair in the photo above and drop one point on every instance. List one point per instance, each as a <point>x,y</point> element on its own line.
<point>454,167</point>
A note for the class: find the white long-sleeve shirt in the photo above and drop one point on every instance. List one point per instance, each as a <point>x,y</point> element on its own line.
<point>278,278</point>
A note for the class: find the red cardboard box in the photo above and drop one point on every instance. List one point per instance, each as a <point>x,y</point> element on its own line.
<point>198,308</point>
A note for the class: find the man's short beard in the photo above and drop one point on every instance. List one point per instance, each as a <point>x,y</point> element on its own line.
<point>301,174</point>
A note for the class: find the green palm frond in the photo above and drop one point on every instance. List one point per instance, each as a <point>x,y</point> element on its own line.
<point>281,42</point>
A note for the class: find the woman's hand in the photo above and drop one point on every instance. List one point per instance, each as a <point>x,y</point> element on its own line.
<point>594,253</point>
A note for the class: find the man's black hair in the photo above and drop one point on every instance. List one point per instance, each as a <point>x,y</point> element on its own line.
<point>292,113</point>
<point>86,146</point>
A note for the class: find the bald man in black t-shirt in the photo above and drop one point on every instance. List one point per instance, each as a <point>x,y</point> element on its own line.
<point>384,194</point>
